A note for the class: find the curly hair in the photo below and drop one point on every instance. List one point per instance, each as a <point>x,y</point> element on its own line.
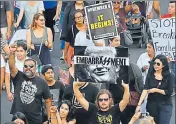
<point>165,69</point>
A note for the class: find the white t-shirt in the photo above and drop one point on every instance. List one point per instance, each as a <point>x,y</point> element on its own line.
<point>81,40</point>
<point>2,62</point>
<point>18,64</point>
<point>30,11</point>
<point>143,60</point>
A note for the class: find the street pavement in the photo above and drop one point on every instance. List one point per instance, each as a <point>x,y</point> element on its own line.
<point>56,53</point>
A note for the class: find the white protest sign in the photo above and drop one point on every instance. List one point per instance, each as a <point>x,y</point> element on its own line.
<point>163,36</point>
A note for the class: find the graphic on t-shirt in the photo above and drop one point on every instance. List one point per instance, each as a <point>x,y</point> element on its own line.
<point>55,93</point>
<point>104,119</point>
<point>28,91</point>
<point>75,102</point>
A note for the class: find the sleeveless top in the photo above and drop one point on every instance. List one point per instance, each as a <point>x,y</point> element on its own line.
<point>37,41</point>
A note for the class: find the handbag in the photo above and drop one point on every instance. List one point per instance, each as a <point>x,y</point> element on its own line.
<point>127,37</point>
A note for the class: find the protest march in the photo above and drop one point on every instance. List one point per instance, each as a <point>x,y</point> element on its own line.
<point>88,62</point>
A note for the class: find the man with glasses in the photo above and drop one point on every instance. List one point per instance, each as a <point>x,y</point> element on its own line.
<point>103,112</point>
<point>29,90</point>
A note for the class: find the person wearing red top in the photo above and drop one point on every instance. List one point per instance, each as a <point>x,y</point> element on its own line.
<point>171,10</point>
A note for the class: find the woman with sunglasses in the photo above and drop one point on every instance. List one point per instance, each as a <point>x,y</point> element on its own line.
<point>64,114</point>
<point>158,87</point>
<point>39,39</point>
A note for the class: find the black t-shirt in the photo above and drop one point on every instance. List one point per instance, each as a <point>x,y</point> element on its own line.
<point>167,86</point>
<point>72,32</point>
<point>112,116</point>
<point>57,91</point>
<point>28,95</point>
<point>90,92</point>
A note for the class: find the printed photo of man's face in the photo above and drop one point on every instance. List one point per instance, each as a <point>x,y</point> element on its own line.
<point>106,72</point>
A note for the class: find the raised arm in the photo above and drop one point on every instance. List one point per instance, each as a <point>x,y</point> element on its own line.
<point>55,117</point>
<point>126,96</point>
<point>12,66</point>
<point>84,103</point>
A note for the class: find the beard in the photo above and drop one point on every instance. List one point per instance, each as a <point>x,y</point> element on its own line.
<point>29,74</point>
<point>104,107</point>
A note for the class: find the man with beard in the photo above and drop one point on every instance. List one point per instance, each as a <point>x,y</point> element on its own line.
<point>102,73</point>
<point>56,87</point>
<point>29,90</point>
<point>103,112</point>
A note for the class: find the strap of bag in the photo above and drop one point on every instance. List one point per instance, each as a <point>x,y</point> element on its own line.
<point>73,32</point>
<point>45,30</point>
<point>41,42</point>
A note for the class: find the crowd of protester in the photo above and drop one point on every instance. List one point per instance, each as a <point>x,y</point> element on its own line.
<point>38,98</point>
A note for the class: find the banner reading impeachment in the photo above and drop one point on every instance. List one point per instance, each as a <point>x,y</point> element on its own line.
<point>163,36</point>
<point>101,21</point>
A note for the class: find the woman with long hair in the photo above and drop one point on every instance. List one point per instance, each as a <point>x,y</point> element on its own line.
<point>19,118</point>
<point>40,36</point>
<point>158,87</point>
<point>64,114</point>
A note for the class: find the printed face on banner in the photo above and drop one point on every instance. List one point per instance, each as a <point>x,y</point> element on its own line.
<point>99,64</point>
<point>163,36</point>
<point>101,21</point>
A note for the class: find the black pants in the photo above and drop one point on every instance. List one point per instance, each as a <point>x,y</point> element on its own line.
<point>127,114</point>
<point>49,15</point>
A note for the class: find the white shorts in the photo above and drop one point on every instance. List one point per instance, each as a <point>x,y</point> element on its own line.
<point>2,61</point>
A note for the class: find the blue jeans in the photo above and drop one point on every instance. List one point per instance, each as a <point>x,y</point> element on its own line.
<point>61,18</point>
<point>165,114</point>
<point>173,66</point>
<point>62,46</point>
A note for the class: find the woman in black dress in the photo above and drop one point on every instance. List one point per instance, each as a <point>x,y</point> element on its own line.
<point>158,87</point>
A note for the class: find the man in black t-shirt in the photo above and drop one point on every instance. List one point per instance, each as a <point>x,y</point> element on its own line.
<point>104,112</point>
<point>29,90</point>
<point>56,87</point>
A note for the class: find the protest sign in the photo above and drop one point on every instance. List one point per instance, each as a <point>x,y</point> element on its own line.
<point>101,21</point>
<point>163,36</point>
<point>101,64</point>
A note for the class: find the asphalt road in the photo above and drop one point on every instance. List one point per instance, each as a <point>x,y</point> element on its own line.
<point>56,53</point>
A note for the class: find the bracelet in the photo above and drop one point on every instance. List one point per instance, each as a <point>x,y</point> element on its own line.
<point>138,105</point>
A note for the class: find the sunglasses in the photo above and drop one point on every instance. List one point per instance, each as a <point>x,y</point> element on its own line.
<point>101,100</point>
<point>28,66</point>
<point>116,2</point>
<point>156,63</point>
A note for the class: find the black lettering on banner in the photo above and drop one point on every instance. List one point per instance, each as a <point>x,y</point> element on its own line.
<point>87,60</point>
